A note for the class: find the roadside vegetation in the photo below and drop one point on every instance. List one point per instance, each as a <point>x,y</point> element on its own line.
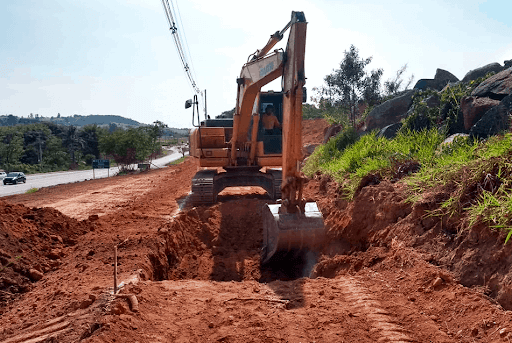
<point>178,161</point>
<point>46,147</point>
<point>472,178</point>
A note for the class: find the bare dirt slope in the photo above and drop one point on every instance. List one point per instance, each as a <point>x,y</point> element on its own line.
<point>196,275</point>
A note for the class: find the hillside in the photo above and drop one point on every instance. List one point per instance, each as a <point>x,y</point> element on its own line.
<point>76,120</point>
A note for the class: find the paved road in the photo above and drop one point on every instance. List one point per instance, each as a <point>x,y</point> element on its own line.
<point>57,178</point>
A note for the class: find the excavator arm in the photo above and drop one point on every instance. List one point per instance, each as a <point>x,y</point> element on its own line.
<point>260,71</point>
<point>293,82</point>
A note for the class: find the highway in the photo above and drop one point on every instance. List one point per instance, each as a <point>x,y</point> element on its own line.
<point>58,178</point>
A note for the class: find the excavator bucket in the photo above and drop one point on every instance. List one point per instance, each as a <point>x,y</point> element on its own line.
<point>291,231</point>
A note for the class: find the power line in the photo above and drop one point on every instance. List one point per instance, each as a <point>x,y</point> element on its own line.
<point>179,46</point>
<point>187,51</point>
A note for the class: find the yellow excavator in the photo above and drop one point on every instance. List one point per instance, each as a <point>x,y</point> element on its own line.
<point>251,155</point>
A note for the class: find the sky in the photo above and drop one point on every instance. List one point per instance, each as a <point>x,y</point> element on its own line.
<point>117,57</point>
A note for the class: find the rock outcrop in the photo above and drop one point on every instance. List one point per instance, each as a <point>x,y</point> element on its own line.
<point>331,131</point>
<point>441,79</point>
<point>473,108</point>
<point>486,112</point>
<point>496,87</point>
<point>494,121</point>
<point>390,131</point>
<point>390,112</point>
<point>482,71</point>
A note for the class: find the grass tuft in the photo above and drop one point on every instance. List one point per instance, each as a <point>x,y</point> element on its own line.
<point>178,161</point>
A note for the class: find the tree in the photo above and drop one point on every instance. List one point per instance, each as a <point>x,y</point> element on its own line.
<point>394,86</point>
<point>11,149</point>
<point>227,114</point>
<point>56,155</point>
<point>131,146</point>
<point>155,132</point>
<point>90,134</point>
<point>311,111</point>
<point>73,141</point>
<point>34,143</point>
<point>350,84</point>
<point>12,120</point>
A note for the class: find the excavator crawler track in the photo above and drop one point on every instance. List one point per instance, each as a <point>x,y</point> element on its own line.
<point>202,188</point>
<point>278,178</point>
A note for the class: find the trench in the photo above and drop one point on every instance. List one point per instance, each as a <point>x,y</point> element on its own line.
<point>222,243</point>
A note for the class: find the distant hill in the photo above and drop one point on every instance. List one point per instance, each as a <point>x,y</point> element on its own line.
<point>76,120</point>
<point>80,120</point>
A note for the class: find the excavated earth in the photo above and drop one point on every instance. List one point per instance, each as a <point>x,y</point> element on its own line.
<point>386,273</point>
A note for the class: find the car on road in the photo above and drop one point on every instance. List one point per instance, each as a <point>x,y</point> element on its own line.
<point>2,175</point>
<point>14,178</point>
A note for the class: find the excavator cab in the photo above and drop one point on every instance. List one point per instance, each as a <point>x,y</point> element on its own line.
<point>272,139</point>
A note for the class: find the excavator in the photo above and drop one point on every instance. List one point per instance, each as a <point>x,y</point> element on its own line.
<point>240,152</point>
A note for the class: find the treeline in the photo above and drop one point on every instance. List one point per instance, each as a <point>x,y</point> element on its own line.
<point>351,91</point>
<point>46,147</point>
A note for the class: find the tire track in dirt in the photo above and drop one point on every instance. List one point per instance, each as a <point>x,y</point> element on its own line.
<point>99,201</point>
<point>366,305</point>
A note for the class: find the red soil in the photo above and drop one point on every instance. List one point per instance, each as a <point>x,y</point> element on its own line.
<point>387,273</point>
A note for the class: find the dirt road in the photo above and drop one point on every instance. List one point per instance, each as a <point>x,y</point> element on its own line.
<point>196,276</point>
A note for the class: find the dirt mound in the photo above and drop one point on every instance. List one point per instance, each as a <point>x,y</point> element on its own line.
<point>220,243</point>
<point>33,242</point>
<point>313,130</point>
<point>379,214</point>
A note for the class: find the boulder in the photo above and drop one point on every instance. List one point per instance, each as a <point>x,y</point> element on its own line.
<point>496,87</point>
<point>308,149</point>
<point>482,71</point>
<point>424,84</point>
<point>508,64</point>
<point>441,79</point>
<point>331,131</point>
<point>444,75</point>
<point>390,112</point>
<point>473,108</point>
<point>494,121</point>
<point>390,131</point>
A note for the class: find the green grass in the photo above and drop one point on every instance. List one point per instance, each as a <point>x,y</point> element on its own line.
<point>476,177</point>
<point>349,163</point>
<point>31,190</point>
<point>178,161</point>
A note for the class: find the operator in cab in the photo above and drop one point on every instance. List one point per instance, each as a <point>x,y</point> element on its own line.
<point>270,121</point>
